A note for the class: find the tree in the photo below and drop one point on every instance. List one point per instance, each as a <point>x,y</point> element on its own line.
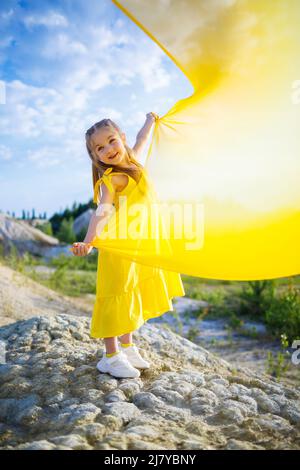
<point>46,228</point>
<point>66,233</point>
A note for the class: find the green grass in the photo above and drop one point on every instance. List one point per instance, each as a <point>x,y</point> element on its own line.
<point>82,263</point>
<point>73,276</point>
<point>72,283</point>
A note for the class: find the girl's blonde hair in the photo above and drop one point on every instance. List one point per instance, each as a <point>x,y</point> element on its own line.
<point>98,168</point>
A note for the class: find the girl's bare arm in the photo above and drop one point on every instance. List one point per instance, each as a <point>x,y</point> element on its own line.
<point>102,214</point>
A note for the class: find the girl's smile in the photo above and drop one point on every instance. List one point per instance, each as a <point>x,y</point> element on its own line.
<point>114,155</point>
<point>108,146</point>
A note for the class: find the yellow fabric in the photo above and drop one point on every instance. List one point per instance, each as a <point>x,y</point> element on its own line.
<point>128,293</point>
<point>230,150</point>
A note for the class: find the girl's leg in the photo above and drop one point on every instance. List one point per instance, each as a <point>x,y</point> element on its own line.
<point>111,345</point>
<point>126,339</point>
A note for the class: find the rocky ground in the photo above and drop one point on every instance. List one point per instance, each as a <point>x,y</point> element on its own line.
<point>53,397</point>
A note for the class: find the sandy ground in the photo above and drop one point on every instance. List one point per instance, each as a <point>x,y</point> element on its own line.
<point>21,298</point>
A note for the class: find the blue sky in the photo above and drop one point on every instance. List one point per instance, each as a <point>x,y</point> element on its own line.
<point>63,66</point>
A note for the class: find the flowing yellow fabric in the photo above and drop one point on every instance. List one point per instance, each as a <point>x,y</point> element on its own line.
<point>226,159</point>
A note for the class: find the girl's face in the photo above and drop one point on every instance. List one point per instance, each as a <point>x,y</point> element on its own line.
<point>108,146</point>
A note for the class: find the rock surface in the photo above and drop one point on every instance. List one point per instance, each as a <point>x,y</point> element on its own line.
<point>53,397</point>
<point>25,238</point>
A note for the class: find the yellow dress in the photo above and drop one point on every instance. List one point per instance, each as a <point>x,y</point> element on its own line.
<point>129,293</point>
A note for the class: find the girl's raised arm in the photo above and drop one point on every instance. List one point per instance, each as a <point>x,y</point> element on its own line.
<point>143,134</point>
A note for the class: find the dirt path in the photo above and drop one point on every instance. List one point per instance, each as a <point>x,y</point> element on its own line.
<point>21,298</point>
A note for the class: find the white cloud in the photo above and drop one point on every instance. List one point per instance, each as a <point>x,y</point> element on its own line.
<point>5,16</point>
<point>41,111</point>
<point>2,92</point>
<point>97,60</point>
<point>50,19</point>
<point>43,157</point>
<point>145,61</point>
<point>5,152</point>
<point>135,119</point>
<point>91,57</point>
<point>103,59</point>
<point>33,112</point>
<point>88,77</point>
<point>61,45</point>
<point>105,111</point>
<point>153,75</point>
<point>5,42</point>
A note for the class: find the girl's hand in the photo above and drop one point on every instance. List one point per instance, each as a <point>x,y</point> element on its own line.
<point>152,117</point>
<point>81,248</point>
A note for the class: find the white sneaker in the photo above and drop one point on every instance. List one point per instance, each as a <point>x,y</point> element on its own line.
<point>117,365</point>
<point>135,358</point>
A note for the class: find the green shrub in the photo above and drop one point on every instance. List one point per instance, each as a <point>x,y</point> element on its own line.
<point>278,364</point>
<point>45,228</point>
<point>255,297</point>
<point>234,322</point>
<point>83,263</point>
<point>283,315</point>
<point>72,283</point>
<point>218,303</point>
<point>66,233</point>
<point>17,261</point>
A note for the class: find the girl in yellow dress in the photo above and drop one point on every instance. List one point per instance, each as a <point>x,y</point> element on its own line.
<point>127,293</point>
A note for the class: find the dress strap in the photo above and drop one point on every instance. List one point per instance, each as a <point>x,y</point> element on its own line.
<point>104,179</point>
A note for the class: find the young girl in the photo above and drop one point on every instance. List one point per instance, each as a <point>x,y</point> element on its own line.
<point>127,293</point>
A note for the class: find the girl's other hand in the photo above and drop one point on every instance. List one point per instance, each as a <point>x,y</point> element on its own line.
<point>152,116</point>
<point>81,248</point>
